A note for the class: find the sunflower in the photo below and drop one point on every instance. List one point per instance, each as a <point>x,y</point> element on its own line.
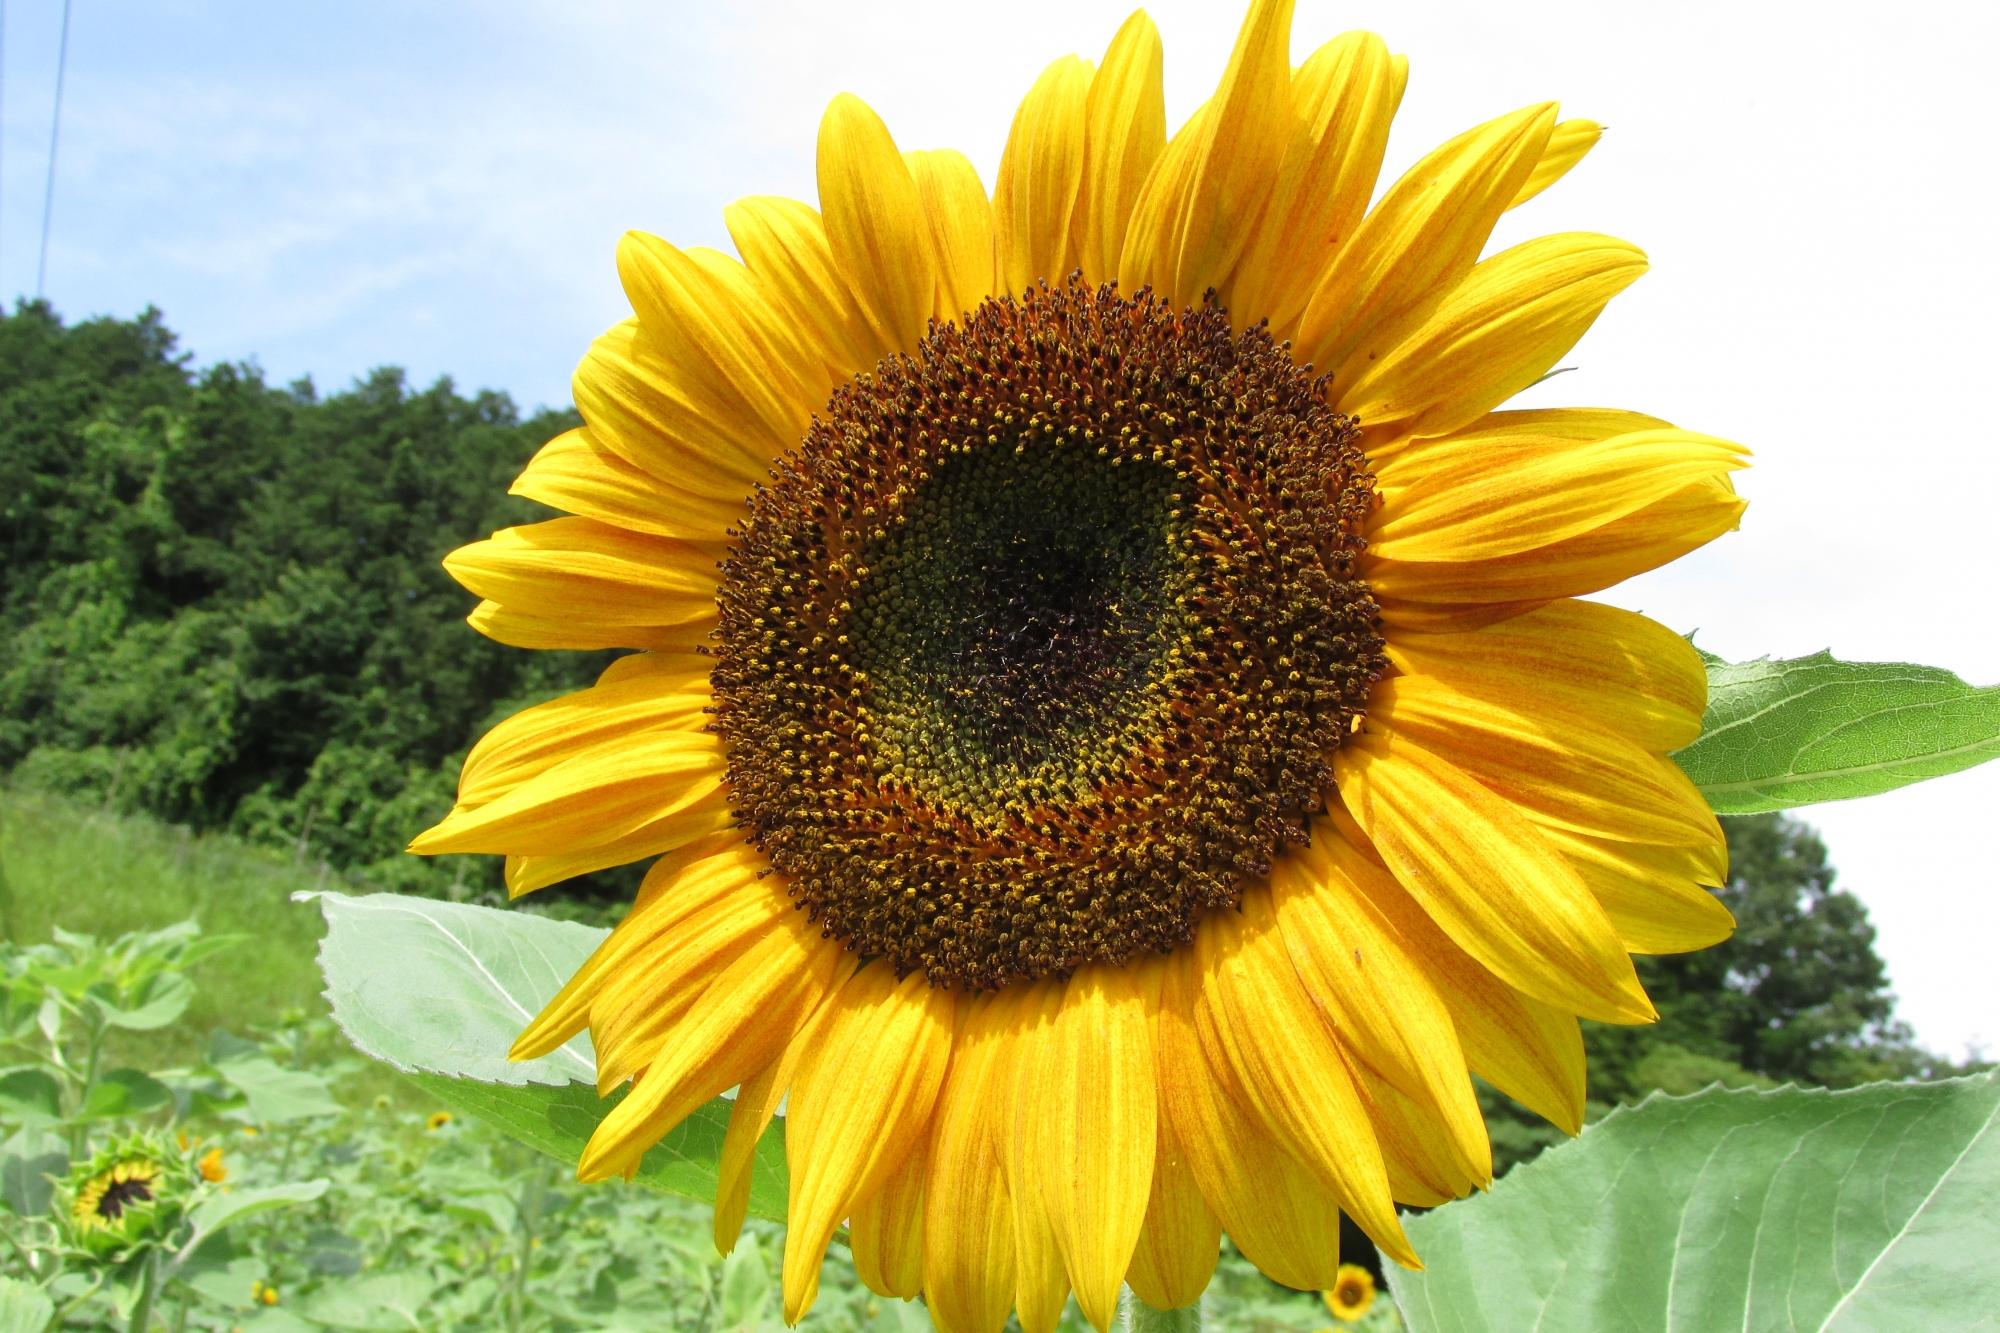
<point>1352,1294</point>
<point>1108,699</point>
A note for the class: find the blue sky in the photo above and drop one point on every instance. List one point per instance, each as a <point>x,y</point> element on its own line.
<point>327,188</point>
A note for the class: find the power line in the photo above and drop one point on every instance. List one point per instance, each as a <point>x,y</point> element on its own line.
<point>55,134</point>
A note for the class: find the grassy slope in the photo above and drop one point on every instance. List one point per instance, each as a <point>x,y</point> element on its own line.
<point>99,873</point>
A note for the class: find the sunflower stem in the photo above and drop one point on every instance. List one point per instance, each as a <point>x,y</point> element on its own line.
<point>1139,1317</point>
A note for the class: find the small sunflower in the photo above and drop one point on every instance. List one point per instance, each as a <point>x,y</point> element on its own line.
<point>1352,1294</point>
<point>1109,697</point>
<point>213,1169</point>
<point>437,1120</point>
<point>126,1194</point>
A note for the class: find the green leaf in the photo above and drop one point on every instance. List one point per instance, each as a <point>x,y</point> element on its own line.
<point>746,1288</point>
<point>30,1096</point>
<point>124,1092</point>
<point>375,1301</point>
<point>1866,1209</point>
<point>29,1159</point>
<point>160,1000</point>
<point>559,1121</point>
<point>442,988</point>
<point>1780,734</point>
<point>224,1210</point>
<point>24,1307</point>
<point>273,1094</point>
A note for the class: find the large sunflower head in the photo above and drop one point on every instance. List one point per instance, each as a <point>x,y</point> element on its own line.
<point>1108,697</point>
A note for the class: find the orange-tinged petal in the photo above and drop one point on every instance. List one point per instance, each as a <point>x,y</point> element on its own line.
<point>1622,671</point>
<point>1035,194</point>
<point>860,1100</point>
<point>886,1233</point>
<point>1180,1240</point>
<point>875,222</point>
<point>968,1219</point>
<point>1488,877</point>
<point>1531,1051</point>
<point>743,1021</point>
<point>1568,142</point>
<point>1374,989</point>
<point>1561,773</point>
<point>783,242</point>
<point>961,226</point>
<point>1253,1014</point>
<point>1085,1123</point>
<point>1277,1212</point>
<point>1343,99</point>
<point>1500,330</point>
<point>1125,131</point>
<point>1417,243</point>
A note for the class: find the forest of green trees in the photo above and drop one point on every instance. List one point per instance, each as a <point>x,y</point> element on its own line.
<point>223,606</point>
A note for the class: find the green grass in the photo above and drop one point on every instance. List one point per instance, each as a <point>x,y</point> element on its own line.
<point>100,873</point>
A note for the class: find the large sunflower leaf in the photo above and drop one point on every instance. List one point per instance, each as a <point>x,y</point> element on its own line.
<point>439,990</point>
<point>1857,1210</point>
<point>1780,734</point>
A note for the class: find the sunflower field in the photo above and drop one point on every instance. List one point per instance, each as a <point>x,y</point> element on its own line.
<point>1069,755</point>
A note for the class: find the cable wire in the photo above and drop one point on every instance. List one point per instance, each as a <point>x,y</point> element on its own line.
<point>55,138</point>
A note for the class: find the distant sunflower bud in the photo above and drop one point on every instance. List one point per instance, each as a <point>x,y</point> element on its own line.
<point>127,1195</point>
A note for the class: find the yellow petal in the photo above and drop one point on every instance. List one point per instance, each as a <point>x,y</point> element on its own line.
<point>1343,99</point>
<point>1277,1212</point>
<point>1500,330</point>
<point>1041,1280</point>
<point>590,799</point>
<point>1034,196</point>
<point>1488,877</point>
<point>524,874</point>
<point>886,1233</point>
<point>756,1104</point>
<point>576,473</point>
<point>961,227</point>
<point>1125,130</point>
<point>732,357</point>
<point>875,222</point>
<point>535,739</point>
<point>1374,990</point>
<point>1181,1240</point>
<point>1568,142</point>
<point>1245,144</point>
<point>742,1022</point>
<point>1417,243</point>
<point>1491,495</point>
<point>657,415</point>
<point>520,629</point>
<point>688,881</point>
<point>1653,895</point>
<point>1630,675</point>
<point>1564,774</point>
<point>591,574</point>
<point>860,1099</point>
<point>1644,539</point>
<point>1254,1015</point>
<point>783,242</point>
<point>968,1219</point>
<point>1086,1116</point>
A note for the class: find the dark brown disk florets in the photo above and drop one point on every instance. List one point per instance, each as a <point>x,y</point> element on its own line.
<point>1037,646</point>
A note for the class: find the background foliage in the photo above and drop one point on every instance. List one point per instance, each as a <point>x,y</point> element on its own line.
<point>223,601</point>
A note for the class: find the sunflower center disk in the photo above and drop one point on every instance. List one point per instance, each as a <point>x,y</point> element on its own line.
<point>1038,644</point>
